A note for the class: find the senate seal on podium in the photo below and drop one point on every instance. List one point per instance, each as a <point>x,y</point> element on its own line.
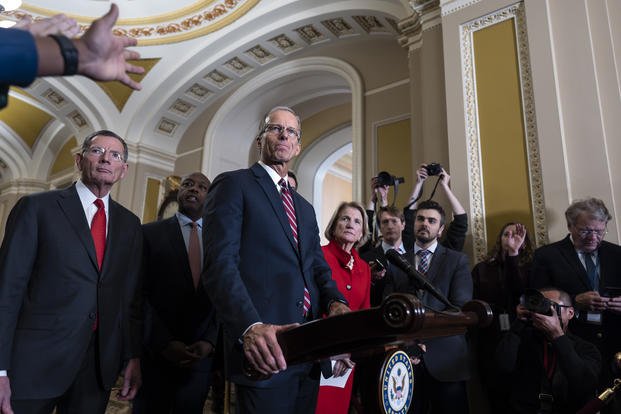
<point>397,383</point>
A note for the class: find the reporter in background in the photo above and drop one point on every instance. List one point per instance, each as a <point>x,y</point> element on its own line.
<point>548,370</point>
<point>588,268</point>
<point>456,231</point>
<point>346,230</point>
<point>500,280</point>
<point>455,235</point>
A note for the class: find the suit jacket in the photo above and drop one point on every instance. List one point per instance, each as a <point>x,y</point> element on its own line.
<point>253,270</point>
<point>446,358</point>
<point>175,309</point>
<point>51,291</point>
<point>558,265</point>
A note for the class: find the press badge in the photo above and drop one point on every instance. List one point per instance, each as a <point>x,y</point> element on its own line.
<point>503,320</point>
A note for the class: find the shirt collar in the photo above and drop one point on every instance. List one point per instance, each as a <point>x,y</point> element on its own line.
<point>87,197</point>
<point>185,220</point>
<point>399,248</point>
<point>431,248</point>
<point>272,173</point>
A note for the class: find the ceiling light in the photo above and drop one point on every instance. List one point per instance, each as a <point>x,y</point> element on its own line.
<point>8,5</point>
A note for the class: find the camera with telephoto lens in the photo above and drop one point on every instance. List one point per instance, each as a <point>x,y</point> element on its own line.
<point>534,301</point>
<point>433,169</point>
<point>384,178</point>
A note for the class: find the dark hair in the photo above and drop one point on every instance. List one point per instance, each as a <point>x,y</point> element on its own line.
<point>593,207</point>
<point>266,117</point>
<point>525,254</point>
<point>329,233</point>
<point>432,205</point>
<point>393,211</point>
<point>104,133</point>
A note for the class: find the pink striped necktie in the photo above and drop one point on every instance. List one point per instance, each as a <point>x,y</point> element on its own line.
<point>287,202</point>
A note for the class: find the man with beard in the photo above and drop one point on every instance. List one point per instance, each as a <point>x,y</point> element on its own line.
<point>443,372</point>
<point>180,329</point>
<point>588,268</point>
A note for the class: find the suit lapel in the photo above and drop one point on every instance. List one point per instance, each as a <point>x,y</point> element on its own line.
<point>568,252</point>
<point>71,206</point>
<point>266,183</point>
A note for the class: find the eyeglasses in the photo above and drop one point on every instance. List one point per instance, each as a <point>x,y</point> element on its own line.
<point>277,129</point>
<point>98,152</point>
<point>584,233</point>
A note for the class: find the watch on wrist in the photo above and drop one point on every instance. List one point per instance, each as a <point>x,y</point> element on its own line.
<point>69,53</point>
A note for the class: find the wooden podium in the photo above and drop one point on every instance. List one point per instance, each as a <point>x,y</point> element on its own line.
<point>400,321</point>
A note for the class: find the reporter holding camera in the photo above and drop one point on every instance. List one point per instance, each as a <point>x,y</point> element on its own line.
<point>456,231</point>
<point>547,369</point>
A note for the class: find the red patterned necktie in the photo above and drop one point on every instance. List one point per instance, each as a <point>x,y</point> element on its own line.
<point>287,202</point>
<point>194,254</point>
<point>98,231</point>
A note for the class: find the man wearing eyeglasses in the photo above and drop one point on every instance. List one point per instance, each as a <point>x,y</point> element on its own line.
<point>548,370</point>
<point>69,267</point>
<point>265,272</point>
<point>588,268</point>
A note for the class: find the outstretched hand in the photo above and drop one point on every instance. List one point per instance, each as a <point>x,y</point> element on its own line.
<point>103,56</point>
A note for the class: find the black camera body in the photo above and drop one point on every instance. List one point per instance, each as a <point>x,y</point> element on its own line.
<point>534,301</point>
<point>433,169</point>
<point>384,178</point>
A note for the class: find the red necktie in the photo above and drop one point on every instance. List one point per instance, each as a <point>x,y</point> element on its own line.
<point>287,202</point>
<point>194,254</point>
<point>98,231</point>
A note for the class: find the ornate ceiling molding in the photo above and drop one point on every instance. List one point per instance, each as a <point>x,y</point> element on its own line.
<point>193,21</point>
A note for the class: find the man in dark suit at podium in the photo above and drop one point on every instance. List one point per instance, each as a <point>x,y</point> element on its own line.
<point>264,270</point>
<point>180,328</point>
<point>69,267</point>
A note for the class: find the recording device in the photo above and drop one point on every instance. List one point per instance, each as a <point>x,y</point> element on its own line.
<point>534,301</point>
<point>433,169</point>
<point>376,265</point>
<point>419,280</point>
<point>384,178</point>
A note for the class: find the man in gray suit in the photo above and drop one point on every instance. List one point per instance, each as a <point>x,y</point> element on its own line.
<point>443,372</point>
<point>69,268</point>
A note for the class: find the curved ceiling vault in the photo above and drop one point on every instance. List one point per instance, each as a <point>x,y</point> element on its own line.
<point>195,54</point>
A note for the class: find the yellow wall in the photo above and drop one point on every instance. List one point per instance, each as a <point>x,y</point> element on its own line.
<point>394,155</point>
<point>335,191</point>
<point>150,202</point>
<point>503,150</point>
<point>65,158</point>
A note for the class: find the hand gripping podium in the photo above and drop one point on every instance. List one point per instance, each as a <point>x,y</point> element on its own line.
<point>399,321</point>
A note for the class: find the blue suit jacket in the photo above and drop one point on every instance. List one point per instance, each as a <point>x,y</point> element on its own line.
<point>253,271</point>
<point>18,48</point>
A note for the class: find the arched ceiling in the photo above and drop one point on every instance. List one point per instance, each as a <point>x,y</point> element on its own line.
<point>195,54</point>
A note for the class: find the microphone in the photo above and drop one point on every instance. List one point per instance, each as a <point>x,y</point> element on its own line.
<point>419,280</point>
